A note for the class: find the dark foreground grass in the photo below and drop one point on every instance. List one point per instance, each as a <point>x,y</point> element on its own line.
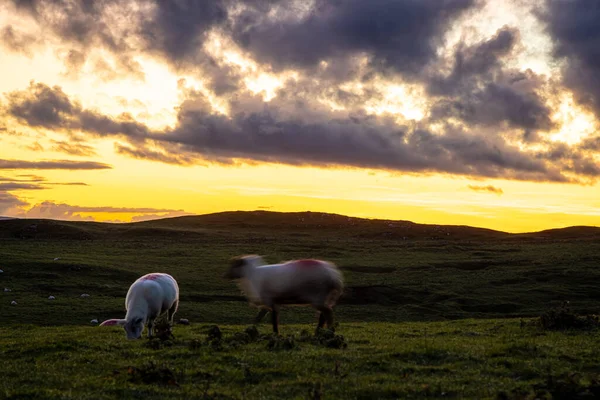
<point>456,359</point>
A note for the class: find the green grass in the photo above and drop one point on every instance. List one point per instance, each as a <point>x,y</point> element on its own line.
<point>420,313</point>
<point>467,358</point>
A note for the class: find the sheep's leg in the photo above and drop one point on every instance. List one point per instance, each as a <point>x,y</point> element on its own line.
<point>275,318</point>
<point>150,326</point>
<point>321,320</point>
<point>260,316</point>
<point>330,318</point>
<point>171,312</point>
<point>326,317</point>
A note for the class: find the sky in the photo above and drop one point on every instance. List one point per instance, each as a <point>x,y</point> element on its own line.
<point>471,112</point>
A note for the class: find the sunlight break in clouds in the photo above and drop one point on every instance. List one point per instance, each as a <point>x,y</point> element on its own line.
<point>165,105</point>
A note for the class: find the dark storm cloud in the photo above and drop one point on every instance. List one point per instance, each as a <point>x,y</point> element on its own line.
<point>495,104</point>
<point>285,132</point>
<point>479,91</point>
<point>396,35</point>
<point>357,141</point>
<point>474,62</point>
<point>52,164</point>
<point>86,25</point>
<point>177,29</point>
<point>399,35</point>
<point>488,188</point>
<point>574,27</point>
<point>41,105</point>
<point>49,107</point>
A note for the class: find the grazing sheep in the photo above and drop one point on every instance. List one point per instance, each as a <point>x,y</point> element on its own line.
<point>1,271</point>
<point>299,282</point>
<point>94,321</point>
<point>51,298</point>
<point>148,298</point>
<point>85,295</point>
<point>14,303</point>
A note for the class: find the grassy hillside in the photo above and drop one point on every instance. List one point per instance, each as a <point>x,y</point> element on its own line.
<point>417,312</point>
<point>388,278</point>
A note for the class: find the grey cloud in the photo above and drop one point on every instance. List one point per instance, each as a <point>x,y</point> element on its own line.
<point>10,186</point>
<point>177,29</point>
<point>144,153</point>
<point>9,201</point>
<point>357,141</point>
<point>49,107</point>
<point>85,25</point>
<point>73,148</point>
<point>488,188</point>
<point>52,164</point>
<point>17,41</point>
<point>41,105</point>
<point>496,104</point>
<point>480,91</point>
<point>49,209</point>
<point>474,62</point>
<point>38,180</point>
<point>35,146</point>
<point>294,132</point>
<point>68,183</point>
<point>397,35</point>
<point>575,29</point>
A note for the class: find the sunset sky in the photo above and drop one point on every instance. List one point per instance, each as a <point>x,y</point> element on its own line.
<point>482,113</point>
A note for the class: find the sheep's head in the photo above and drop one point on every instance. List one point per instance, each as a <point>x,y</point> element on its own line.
<point>236,269</point>
<point>134,328</point>
<point>239,265</point>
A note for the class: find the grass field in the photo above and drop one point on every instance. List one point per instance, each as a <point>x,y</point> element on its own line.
<point>428,311</point>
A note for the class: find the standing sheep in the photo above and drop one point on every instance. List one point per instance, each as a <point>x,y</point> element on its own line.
<point>148,298</point>
<point>300,282</point>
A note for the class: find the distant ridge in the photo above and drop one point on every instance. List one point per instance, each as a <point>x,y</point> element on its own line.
<point>261,220</point>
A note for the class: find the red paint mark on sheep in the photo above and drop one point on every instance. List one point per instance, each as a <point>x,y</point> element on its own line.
<point>309,263</point>
<point>109,322</point>
<point>151,277</point>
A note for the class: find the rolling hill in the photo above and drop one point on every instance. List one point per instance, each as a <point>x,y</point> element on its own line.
<point>303,222</point>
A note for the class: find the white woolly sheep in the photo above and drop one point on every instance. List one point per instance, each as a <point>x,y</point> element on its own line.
<point>94,321</point>
<point>7,289</point>
<point>85,295</point>
<point>148,298</point>
<point>51,298</point>
<point>1,271</point>
<point>299,282</point>
<point>14,303</point>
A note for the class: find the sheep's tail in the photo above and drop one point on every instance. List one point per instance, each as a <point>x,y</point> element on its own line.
<point>337,286</point>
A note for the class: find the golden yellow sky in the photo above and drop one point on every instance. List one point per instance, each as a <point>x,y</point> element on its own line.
<point>134,188</point>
